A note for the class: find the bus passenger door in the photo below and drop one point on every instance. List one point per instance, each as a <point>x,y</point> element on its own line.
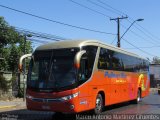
<point>83,73</point>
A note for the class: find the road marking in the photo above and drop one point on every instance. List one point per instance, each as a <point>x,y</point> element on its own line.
<point>9,106</point>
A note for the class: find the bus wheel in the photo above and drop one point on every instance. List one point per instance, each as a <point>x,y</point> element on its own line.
<point>138,99</point>
<point>99,104</point>
<point>139,96</point>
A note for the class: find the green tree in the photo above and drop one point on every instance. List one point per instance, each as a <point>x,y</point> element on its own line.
<point>4,63</point>
<point>8,34</point>
<point>16,51</point>
<point>12,45</point>
<point>13,59</point>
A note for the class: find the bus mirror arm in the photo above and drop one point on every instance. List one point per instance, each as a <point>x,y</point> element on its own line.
<point>78,58</point>
<point>21,60</point>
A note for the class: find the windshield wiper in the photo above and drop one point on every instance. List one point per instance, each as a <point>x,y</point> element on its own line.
<point>51,71</point>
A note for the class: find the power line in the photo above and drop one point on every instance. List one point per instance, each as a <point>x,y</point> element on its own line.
<point>113,40</point>
<point>58,22</point>
<point>89,8</point>
<point>114,12</point>
<point>150,35</point>
<point>94,3</point>
<point>119,12</point>
<point>144,47</point>
<point>138,35</point>
<point>35,34</point>
<point>139,48</point>
<point>147,33</point>
<point>123,26</point>
<point>39,41</point>
<point>40,33</point>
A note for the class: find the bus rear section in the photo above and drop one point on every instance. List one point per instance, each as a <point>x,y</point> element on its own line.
<point>123,75</point>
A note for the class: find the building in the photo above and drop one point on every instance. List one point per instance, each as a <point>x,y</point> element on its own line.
<point>155,74</point>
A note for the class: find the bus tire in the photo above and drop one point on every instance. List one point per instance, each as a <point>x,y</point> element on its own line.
<point>138,98</point>
<point>99,104</point>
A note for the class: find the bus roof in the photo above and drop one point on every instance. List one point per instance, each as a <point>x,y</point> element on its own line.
<point>79,43</point>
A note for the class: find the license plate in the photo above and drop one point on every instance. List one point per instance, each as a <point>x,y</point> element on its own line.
<point>45,107</point>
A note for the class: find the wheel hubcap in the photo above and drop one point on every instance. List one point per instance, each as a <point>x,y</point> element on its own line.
<point>138,97</point>
<point>98,104</point>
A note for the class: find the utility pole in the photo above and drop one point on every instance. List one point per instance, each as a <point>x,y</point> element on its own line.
<point>24,68</point>
<point>24,65</point>
<point>24,52</point>
<point>118,28</point>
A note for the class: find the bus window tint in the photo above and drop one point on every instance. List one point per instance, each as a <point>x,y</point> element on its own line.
<point>145,68</point>
<point>104,59</point>
<point>53,69</point>
<point>117,61</point>
<point>87,62</point>
<point>35,71</point>
<point>83,71</point>
<point>111,60</point>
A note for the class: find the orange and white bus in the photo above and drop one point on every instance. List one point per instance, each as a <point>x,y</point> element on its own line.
<point>80,75</point>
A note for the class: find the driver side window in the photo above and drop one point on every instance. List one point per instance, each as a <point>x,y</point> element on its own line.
<point>87,63</point>
<point>83,72</point>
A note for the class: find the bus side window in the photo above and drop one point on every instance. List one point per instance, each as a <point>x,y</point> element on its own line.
<point>100,62</point>
<point>89,62</point>
<point>83,73</point>
<point>104,61</point>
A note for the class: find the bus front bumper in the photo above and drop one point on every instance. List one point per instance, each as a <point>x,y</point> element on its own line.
<point>55,106</point>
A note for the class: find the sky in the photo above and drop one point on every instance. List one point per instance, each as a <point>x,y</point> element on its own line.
<point>142,38</point>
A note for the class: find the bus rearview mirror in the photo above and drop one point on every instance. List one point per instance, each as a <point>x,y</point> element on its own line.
<point>21,60</point>
<point>78,58</point>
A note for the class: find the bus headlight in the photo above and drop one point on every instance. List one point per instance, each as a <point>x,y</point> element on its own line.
<point>69,97</point>
<point>29,96</point>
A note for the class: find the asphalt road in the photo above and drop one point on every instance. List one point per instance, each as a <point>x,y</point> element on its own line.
<point>149,107</point>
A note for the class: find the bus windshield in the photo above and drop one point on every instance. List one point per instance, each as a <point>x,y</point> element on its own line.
<point>52,70</point>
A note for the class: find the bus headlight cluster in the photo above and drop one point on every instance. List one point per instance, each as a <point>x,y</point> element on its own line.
<point>29,96</point>
<point>69,97</point>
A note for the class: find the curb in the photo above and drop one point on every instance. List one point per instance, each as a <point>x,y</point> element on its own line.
<point>9,106</point>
